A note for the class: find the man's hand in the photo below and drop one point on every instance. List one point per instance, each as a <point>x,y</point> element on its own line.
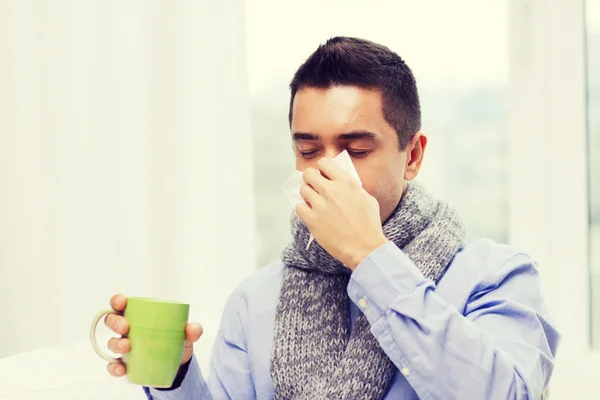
<point>341,215</point>
<point>118,324</point>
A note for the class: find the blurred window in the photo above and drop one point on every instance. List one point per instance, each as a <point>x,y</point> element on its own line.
<point>458,52</point>
<point>593,112</point>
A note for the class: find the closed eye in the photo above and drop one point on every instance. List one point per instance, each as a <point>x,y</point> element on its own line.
<point>358,153</point>
<point>308,153</point>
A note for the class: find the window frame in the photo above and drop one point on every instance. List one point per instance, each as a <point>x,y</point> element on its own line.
<point>548,174</point>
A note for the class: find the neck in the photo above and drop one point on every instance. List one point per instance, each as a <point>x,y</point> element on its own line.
<point>385,217</point>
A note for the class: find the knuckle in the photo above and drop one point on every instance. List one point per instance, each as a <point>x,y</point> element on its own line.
<point>111,369</point>
<point>349,180</point>
<point>114,345</point>
<point>123,345</point>
<point>117,323</point>
<point>115,302</point>
<point>300,211</point>
<point>116,370</point>
<point>308,172</point>
<point>111,344</point>
<point>112,320</point>
<point>109,321</point>
<point>330,190</point>
<point>305,191</point>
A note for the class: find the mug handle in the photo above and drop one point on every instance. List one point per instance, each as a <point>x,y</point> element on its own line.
<point>93,340</point>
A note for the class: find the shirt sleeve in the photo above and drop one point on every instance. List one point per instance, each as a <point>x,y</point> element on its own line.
<point>501,346</point>
<point>193,387</point>
<point>229,376</point>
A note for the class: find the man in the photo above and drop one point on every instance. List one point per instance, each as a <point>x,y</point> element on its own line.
<point>390,301</point>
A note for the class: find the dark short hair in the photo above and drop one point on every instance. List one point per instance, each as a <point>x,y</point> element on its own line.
<point>357,62</point>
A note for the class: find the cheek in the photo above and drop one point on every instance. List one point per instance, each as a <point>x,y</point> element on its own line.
<point>375,183</point>
<point>302,163</point>
<point>382,189</point>
<point>385,184</point>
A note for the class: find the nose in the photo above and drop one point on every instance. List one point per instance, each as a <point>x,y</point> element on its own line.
<point>331,152</point>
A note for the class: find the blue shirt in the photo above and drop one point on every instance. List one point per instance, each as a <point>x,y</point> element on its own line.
<point>481,333</point>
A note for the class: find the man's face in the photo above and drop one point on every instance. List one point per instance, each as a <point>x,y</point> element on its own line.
<point>326,122</point>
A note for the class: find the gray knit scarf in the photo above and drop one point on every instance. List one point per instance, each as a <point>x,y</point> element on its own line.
<point>315,354</point>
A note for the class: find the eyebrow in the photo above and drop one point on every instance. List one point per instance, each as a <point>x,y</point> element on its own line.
<point>342,136</point>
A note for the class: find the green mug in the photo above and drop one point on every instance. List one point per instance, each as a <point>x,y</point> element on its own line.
<point>157,338</point>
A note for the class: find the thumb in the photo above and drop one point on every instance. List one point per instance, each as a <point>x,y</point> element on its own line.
<point>193,331</point>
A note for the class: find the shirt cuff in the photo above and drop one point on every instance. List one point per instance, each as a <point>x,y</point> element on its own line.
<point>188,389</point>
<point>386,273</point>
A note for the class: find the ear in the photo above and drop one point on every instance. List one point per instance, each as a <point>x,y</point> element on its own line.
<point>415,150</point>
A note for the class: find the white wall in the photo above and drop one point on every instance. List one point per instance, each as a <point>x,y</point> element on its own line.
<point>125,161</point>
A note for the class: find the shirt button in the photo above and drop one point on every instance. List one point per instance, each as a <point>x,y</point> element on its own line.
<point>362,303</point>
<point>405,371</point>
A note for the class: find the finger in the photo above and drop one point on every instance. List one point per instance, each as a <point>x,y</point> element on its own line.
<point>117,323</point>
<point>331,170</point>
<point>305,213</point>
<point>314,178</point>
<point>310,196</point>
<point>193,332</point>
<point>117,370</point>
<point>119,345</point>
<point>118,302</point>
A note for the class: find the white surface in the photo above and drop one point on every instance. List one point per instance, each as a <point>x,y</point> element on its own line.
<point>72,372</point>
<point>75,372</point>
<point>125,160</point>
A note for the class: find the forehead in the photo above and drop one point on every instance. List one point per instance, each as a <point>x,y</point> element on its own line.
<point>338,109</point>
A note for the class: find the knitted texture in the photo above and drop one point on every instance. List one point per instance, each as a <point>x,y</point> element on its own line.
<point>315,354</point>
